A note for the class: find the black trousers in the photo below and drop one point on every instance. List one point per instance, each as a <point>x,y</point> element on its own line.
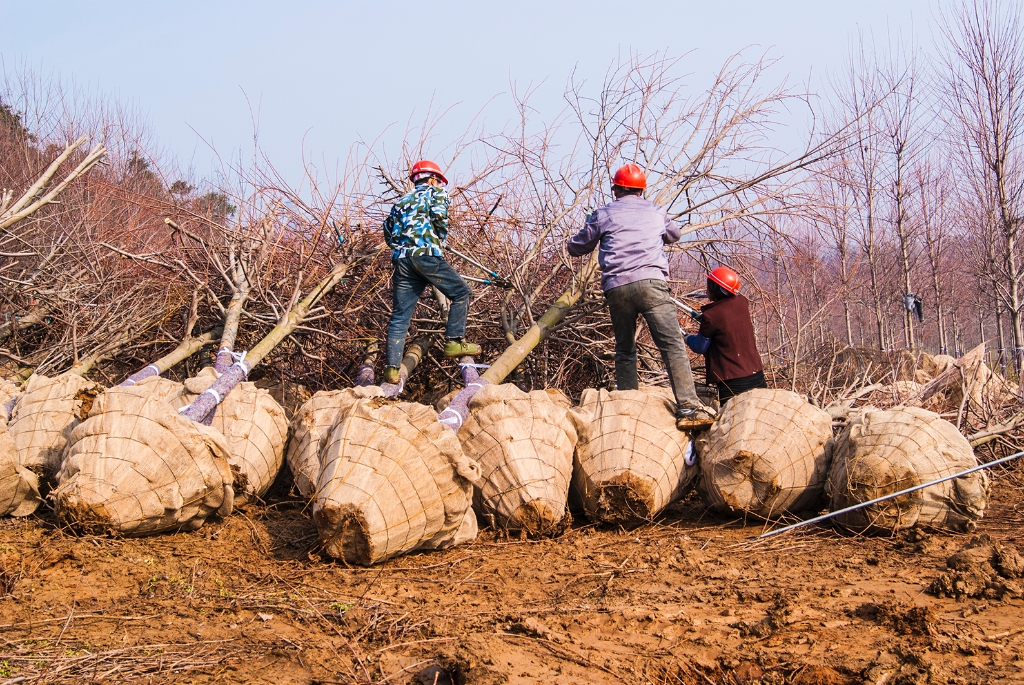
<point>735,386</point>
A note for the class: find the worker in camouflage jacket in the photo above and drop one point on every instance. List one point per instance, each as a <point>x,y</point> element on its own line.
<point>416,230</point>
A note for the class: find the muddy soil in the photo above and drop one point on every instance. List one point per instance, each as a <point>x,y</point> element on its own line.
<point>686,599</point>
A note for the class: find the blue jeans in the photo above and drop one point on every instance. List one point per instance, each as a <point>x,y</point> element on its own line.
<point>412,275</point>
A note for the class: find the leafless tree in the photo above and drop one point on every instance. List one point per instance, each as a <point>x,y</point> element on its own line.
<point>983,60</point>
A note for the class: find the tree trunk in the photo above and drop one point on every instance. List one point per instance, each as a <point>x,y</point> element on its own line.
<point>456,412</point>
<point>36,315</point>
<point>33,200</point>
<point>364,374</point>
<point>232,318</point>
<point>206,403</point>
<point>185,349</point>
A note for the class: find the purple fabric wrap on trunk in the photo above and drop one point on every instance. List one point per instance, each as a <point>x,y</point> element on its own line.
<point>9,407</point>
<point>204,406</point>
<point>469,372</point>
<point>457,411</point>
<point>147,372</point>
<point>224,360</point>
<point>393,390</point>
<point>364,375</point>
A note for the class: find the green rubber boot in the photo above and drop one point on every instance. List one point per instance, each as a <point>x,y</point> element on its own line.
<point>460,348</point>
<point>392,375</point>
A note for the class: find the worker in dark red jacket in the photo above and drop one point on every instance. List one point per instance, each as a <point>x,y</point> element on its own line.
<point>726,337</point>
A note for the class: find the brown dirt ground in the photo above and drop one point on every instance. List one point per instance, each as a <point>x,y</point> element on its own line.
<point>686,599</point>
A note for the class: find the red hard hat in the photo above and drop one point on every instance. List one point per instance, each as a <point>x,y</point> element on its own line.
<point>727,278</point>
<point>425,166</point>
<point>630,176</point>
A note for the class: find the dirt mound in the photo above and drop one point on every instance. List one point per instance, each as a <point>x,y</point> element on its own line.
<point>882,452</point>
<point>250,600</point>
<point>524,444</point>
<point>982,568</point>
<point>44,417</point>
<point>309,428</point>
<point>135,466</point>
<point>466,664</point>
<point>903,619</point>
<point>393,480</point>
<point>815,674</point>
<point>630,461</point>
<point>765,455</point>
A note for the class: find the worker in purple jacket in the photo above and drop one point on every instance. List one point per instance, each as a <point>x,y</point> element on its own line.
<point>631,232</point>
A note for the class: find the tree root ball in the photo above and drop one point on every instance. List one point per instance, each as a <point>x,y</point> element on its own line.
<point>393,480</point>
<point>630,461</point>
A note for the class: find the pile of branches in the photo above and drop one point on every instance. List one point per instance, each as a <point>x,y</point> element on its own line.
<point>981,402</point>
<point>129,262</point>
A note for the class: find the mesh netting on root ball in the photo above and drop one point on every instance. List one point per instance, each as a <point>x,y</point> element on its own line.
<point>19,487</point>
<point>44,417</point>
<point>310,427</point>
<point>765,455</point>
<point>630,461</point>
<point>393,480</point>
<point>164,389</point>
<point>136,466</point>
<point>524,444</point>
<point>882,452</point>
<point>255,428</point>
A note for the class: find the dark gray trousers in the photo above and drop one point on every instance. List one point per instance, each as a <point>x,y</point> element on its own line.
<point>651,299</point>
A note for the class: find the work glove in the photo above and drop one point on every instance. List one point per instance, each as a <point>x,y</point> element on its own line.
<point>698,343</point>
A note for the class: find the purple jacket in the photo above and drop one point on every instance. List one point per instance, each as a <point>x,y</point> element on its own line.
<point>631,231</point>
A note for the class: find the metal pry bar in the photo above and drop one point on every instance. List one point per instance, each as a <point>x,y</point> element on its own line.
<point>694,313</point>
<point>915,488</point>
<point>496,278</point>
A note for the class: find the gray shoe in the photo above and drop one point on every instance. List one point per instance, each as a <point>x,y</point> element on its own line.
<point>695,417</point>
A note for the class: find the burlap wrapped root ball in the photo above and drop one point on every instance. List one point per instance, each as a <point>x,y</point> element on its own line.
<point>524,444</point>
<point>393,480</point>
<point>44,416</point>
<point>765,455</point>
<point>19,487</point>
<point>135,466</point>
<point>256,429</point>
<point>897,392</point>
<point>164,389</point>
<point>951,379</point>
<point>309,429</point>
<point>882,452</point>
<point>630,461</point>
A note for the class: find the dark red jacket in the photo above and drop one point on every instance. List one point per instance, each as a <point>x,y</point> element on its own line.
<point>733,352</point>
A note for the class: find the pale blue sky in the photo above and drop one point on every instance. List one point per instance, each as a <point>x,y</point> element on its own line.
<point>323,74</point>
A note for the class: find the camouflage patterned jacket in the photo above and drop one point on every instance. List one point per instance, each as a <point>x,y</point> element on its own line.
<point>418,223</point>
